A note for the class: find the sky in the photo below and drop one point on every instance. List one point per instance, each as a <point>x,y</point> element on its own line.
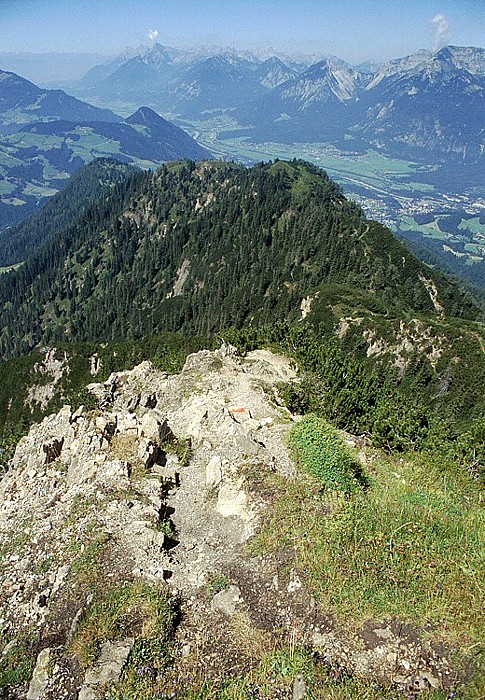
<point>354,30</point>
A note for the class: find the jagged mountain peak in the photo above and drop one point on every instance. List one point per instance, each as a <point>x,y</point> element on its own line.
<point>274,71</point>
<point>329,79</point>
<point>224,61</point>
<point>397,66</point>
<point>329,63</point>
<point>158,56</point>
<point>273,61</point>
<point>470,58</point>
<point>441,66</point>
<point>444,61</point>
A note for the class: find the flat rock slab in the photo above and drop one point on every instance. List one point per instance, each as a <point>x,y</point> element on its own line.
<point>110,664</point>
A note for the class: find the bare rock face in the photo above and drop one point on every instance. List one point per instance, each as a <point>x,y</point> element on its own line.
<point>162,454</point>
<point>226,601</point>
<point>299,689</point>
<point>50,370</point>
<point>155,486</point>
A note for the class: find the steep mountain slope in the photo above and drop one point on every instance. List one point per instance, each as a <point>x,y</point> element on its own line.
<point>274,72</point>
<point>328,82</point>
<point>87,185</point>
<point>23,102</point>
<point>426,106</point>
<point>218,82</point>
<point>142,79</point>
<point>201,247</point>
<point>316,104</point>
<point>164,140</point>
<point>398,66</point>
<point>436,106</point>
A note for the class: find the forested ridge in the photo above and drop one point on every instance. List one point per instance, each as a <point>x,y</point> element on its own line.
<point>83,190</point>
<point>200,247</point>
<point>193,253</point>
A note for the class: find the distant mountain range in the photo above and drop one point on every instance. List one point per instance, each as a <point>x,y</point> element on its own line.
<point>420,106</point>
<point>46,135</point>
<point>184,82</point>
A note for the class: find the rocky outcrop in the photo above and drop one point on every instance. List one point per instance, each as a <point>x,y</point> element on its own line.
<point>48,374</point>
<point>160,485</point>
<point>115,481</point>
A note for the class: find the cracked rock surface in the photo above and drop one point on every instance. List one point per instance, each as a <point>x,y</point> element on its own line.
<point>167,450</point>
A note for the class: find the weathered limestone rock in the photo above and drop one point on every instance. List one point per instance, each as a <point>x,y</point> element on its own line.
<point>53,368</point>
<point>299,688</point>
<point>148,453</point>
<point>40,677</point>
<point>155,428</point>
<point>232,500</point>
<point>213,472</point>
<point>109,666</point>
<point>226,601</point>
<point>52,450</point>
<point>168,474</point>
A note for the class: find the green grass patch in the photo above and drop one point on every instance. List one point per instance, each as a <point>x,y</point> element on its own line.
<point>17,665</point>
<point>179,447</point>
<point>216,581</point>
<point>10,267</point>
<point>32,189</point>
<point>6,187</point>
<point>474,225</point>
<point>271,678</point>
<point>86,567</point>
<point>139,609</point>
<point>321,451</point>
<point>410,546</point>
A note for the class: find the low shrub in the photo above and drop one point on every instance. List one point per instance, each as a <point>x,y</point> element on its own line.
<point>320,450</point>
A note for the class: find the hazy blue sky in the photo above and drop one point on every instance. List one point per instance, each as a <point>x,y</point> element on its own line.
<point>355,30</point>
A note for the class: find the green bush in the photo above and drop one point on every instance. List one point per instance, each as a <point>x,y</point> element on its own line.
<point>321,451</point>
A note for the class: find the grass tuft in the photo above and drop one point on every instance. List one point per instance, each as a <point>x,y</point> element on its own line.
<point>17,664</point>
<point>137,609</point>
<point>216,581</point>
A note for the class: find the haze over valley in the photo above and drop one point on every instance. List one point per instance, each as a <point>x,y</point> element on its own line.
<point>370,126</point>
